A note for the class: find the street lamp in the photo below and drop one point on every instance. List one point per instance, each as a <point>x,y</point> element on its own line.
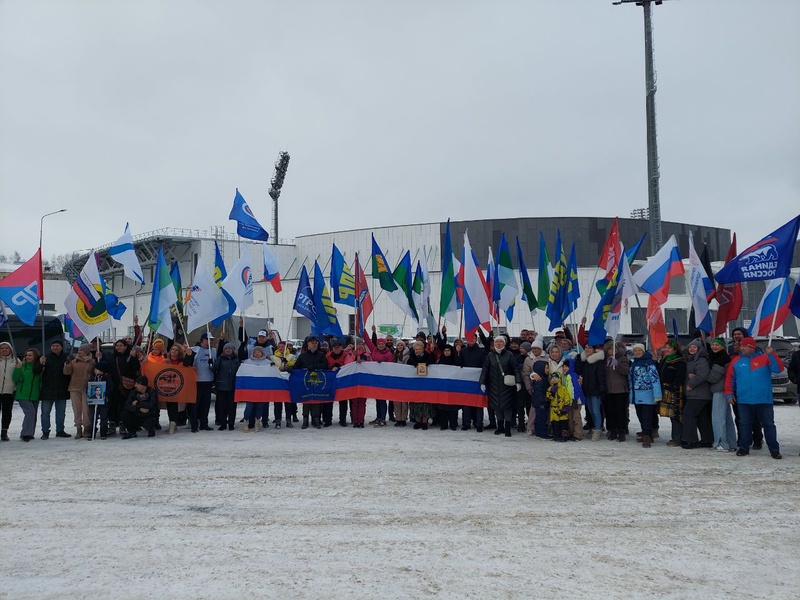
<point>41,269</point>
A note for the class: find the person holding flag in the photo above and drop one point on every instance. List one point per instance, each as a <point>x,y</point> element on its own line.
<point>8,362</point>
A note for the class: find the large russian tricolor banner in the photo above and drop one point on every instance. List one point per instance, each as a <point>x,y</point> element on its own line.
<point>444,384</point>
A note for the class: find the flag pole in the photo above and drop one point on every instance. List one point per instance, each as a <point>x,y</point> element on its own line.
<point>591,289</point>
<point>775,314</point>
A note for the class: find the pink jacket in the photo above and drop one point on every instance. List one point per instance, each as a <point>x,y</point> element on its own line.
<point>384,355</point>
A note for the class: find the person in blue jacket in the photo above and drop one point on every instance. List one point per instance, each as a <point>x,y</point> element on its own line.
<point>644,390</point>
<point>748,384</point>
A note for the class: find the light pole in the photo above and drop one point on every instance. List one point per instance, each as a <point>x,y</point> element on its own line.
<point>653,174</point>
<point>41,270</point>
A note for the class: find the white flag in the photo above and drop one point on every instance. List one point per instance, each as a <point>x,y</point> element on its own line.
<point>122,251</point>
<point>206,301</point>
<point>85,303</point>
<point>239,282</point>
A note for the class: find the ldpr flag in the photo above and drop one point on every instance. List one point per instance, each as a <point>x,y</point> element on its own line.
<point>22,289</point>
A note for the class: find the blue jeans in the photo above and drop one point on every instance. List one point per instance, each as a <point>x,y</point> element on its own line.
<point>722,421</point>
<point>252,412</point>
<point>766,415</point>
<point>380,407</point>
<point>61,409</point>
<point>593,404</point>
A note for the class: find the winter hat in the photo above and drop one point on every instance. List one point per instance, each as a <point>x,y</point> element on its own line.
<point>229,345</point>
<point>381,340</point>
<point>142,380</point>
<point>255,349</point>
<point>206,336</point>
<point>538,344</point>
<point>525,346</point>
<point>697,343</point>
<point>158,342</point>
<point>85,348</point>
<point>336,343</point>
<point>749,342</point>
<point>719,341</point>
<point>136,349</point>
<point>641,346</point>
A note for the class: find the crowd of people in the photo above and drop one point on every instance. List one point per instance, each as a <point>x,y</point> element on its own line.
<point>715,396</point>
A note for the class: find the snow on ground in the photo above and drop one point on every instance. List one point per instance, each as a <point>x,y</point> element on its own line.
<point>396,513</point>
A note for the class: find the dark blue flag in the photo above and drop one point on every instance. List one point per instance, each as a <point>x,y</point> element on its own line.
<point>769,258</point>
<point>247,225</point>
<point>304,300</point>
<point>312,386</point>
<point>794,303</point>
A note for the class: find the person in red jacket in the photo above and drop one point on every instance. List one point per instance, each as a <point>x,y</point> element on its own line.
<point>338,357</point>
<point>379,352</point>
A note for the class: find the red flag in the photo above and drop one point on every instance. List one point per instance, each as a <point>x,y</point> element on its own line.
<point>363,299</point>
<point>729,296</point>
<point>27,273</point>
<point>655,322</point>
<point>612,251</point>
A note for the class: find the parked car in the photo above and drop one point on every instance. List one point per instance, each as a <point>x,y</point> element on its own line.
<point>782,388</point>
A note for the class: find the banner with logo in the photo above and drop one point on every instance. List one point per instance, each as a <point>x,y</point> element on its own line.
<point>172,383</point>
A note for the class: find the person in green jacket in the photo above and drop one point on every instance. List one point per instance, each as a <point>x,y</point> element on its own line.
<point>28,381</point>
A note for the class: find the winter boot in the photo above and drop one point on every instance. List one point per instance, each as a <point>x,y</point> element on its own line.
<point>173,427</point>
<point>246,427</point>
<point>621,435</point>
<point>258,425</point>
<point>596,435</point>
<point>78,432</point>
<point>508,428</point>
<point>289,423</point>
<point>612,434</point>
<point>4,435</point>
<point>305,423</point>
<point>500,428</point>
<point>647,441</point>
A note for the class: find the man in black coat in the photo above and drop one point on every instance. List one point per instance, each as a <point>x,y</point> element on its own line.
<point>473,355</point>
<point>141,407</point>
<point>313,359</point>
<point>54,389</point>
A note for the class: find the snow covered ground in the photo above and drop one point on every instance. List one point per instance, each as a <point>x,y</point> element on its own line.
<point>396,513</point>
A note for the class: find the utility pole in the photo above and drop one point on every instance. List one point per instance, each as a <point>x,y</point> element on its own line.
<point>653,195</point>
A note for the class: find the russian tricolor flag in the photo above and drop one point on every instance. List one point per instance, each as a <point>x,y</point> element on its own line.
<point>477,312</point>
<point>272,269</point>
<point>776,300</point>
<point>655,275</point>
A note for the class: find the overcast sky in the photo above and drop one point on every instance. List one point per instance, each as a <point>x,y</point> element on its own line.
<point>154,111</point>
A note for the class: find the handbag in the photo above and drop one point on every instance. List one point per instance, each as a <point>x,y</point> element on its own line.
<point>509,380</point>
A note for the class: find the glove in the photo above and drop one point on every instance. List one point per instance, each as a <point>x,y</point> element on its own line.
<point>519,386</point>
<point>483,388</point>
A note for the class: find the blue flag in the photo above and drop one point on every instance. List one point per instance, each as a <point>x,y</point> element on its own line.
<point>769,258</point>
<point>343,283</point>
<point>630,255</point>
<point>558,303</point>
<point>247,225</point>
<point>304,300</point>
<point>220,273</point>
<point>327,323</point>
<point>573,289</point>
<point>312,386</point>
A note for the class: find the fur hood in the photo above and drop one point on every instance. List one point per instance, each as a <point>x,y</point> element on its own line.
<point>594,357</point>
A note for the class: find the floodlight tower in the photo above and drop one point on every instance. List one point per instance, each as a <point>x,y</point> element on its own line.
<point>654,201</point>
<point>281,165</point>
